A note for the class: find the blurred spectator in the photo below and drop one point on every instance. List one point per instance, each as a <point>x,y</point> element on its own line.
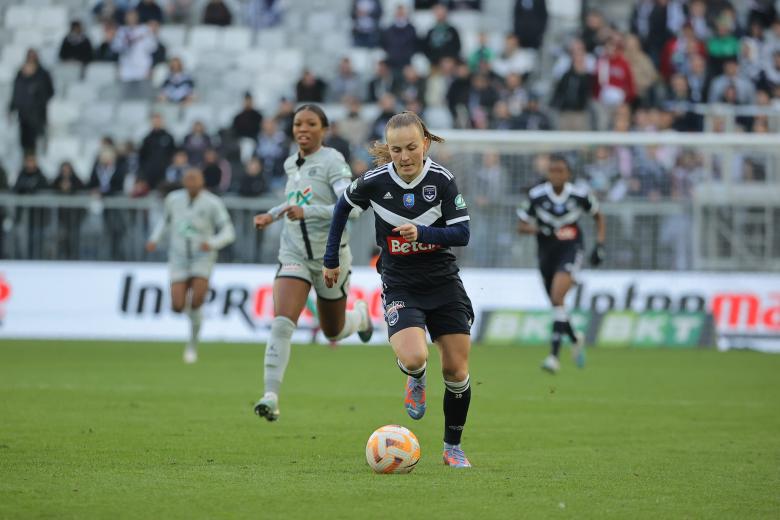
<point>572,97</point>
<point>67,182</point>
<point>111,11</point>
<point>247,122</point>
<point>30,179</point>
<point>310,88</point>
<point>678,102</point>
<point>108,176</point>
<point>33,88</point>
<point>744,90</point>
<point>160,54</point>
<point>175,171</point>
<point>513,59</point>
<point>262,14</point>
<point>482,97</point>
<point>490,186</point>
<point>699,79</point>
<point>515,94</point>
<point>216,171</point>
<point>501,118</point>
<point>614,83</point>
<point>530,22</point>
<point>697,16</point>
<point>762,12</point>
<point>595,31</point>
<point>458,96</point>
<point>75,46</point>
<point>196,143</point>
<point>602,172</point>
<point>483,52</point>
<point>723,46</point>
<point>155,154</point>
<point>366,15</point>
<point>575,48</point>
<point>387,106</point>
<point>272,151</point>
<point>178,11</point>
<point>383,82</point>
<point>217,13</point>
<point>437,83</point>
<point>179,86</point>
<point>252,183</point>
<point>353,127</point>
<point>533,118</point>
<point>676,53</point>
<point>3,180</point>
<point>769,79</point>
<point>285,114</point>
<point>750,65</point>
<point>412,86</point>
<point>443,39</point>
<point>128,156</point>
<point>642,69</point>
<point>336,140</point>
<point>105,51</point>
<point>345,83</point>
<point>149,11</point>
<point>399,41</point>
<point>463,5</point>
<point>135,44</point>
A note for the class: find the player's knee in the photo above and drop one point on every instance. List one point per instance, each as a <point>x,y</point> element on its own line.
<point>177,307</point>
<point>330,331</point>
<point>413,360</point>
<point>455,373</point>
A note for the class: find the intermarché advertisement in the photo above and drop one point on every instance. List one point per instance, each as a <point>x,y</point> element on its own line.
<point>130,301</point>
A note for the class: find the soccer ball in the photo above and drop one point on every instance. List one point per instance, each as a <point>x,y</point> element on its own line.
<point>392,449</point>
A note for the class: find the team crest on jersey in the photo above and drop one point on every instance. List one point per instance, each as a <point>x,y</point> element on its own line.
<point>429,192</point>
<point>313,171</point>
<point>391,312</point>
<point>408,200</point>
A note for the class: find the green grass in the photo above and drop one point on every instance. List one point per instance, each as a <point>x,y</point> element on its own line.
<point>125,430</point>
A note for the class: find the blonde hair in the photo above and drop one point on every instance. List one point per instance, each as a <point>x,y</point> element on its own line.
<point>380,152</point>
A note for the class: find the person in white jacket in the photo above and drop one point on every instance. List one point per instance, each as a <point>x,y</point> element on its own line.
<point>135,43</point>
<point>199,226</point>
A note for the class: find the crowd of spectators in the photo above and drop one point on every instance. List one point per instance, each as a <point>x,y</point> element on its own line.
<point>677,55</point>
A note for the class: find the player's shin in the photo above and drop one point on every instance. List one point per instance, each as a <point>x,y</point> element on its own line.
<point>196,318</point>
<point>277,353</point>
<point>457,397</point>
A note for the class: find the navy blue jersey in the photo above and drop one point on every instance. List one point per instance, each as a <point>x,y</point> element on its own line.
<point>557,215</point>
<point>432,199</point>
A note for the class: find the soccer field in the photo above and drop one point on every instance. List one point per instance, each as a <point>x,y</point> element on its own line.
<point>125,430</point>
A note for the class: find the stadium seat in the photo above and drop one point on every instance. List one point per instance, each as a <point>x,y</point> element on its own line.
<point>421,64</point>
<point>438,117</point>
<point>225,114</point>
<point>7,73</point>
<point>133,113</point>
<point>62,114</point>
<point>198,112</point>
<point>204,37</point>
<point>159,74</point>
<point>334,111</point>
<point>170,112</point>
<point>62,148</point>
<point>188,56</point>
<point>236,39</point>
<point>95,117</point>
<point>28,38</point>
<point>82,93</point>
<point>362,61</point>
<point>253,60</point>
<point>38,3</point>
<point>288,62</point>
<point>272,39</point>
<point>53,18</point>
<point>14,55</point>
<point>466,21</point>
<point>19,16</point>
<point>99,74</point>
<point>423,21</point>
<point>173,35</point>
<point>247,147</point>
<point>238,80</point>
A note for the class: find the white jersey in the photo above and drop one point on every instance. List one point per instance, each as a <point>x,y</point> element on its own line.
<point>191,222</point>
<point>315,183</point>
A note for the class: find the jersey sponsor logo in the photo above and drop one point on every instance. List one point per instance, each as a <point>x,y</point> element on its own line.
<point>388,196</point>
<point>391,311</point>
<point>300,197</point>
<point>291,267</point>
<point>460,202</point>
<point>401,246</point>
<point>408,200</point>
<point>429,193</point>
<point>566,233</point>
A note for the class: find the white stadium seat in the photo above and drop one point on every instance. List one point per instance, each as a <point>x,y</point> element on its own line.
<point>254,60</point>
<point>62,114</point>
<point>61,149</point>
<point>95,117</point>
<point>54,18</point>
<point>18,16</point>
<point>204,37</point>
<point>99,73</point>
<point>14,55</point>
<point>28,38</point>
<point>133,113</point>
<point>236,39</point>
<point>7,73</point>
<point>272,39</point>
<point>199,112</point>
<point>173,35</point>
<point>288,61</point>
<point>82,92</point>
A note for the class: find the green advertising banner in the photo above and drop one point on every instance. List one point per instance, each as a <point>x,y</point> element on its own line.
<point>613,329</point>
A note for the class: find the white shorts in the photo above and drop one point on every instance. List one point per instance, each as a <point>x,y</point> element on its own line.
<point>292,265</point>
<point>182,269</point>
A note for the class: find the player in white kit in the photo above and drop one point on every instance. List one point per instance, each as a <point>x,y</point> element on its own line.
<point>198,225</point>
<point>316,177</point>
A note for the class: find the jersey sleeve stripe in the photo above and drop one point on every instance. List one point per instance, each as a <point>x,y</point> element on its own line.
<point>523,215</point>
<point>458,219</point>
<point>373,173</point>
<point>435,167</point>
<point>346,197</point>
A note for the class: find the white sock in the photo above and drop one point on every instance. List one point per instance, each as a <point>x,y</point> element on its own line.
<point>277,353</point>
<point>450,446</point>
<point>560,314</point>
<point>196,318</point>
<point>414,373</point>
<point>352,322</point>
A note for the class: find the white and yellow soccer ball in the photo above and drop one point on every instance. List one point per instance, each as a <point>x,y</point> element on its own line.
<point>392,449</point>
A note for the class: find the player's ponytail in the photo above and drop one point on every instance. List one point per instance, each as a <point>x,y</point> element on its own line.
<point>380,152</point>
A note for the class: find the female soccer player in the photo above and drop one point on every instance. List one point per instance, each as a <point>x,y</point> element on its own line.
<point>419,215</point>
<point>316,176</point>
<point>199,226</point>
<point>551,213</point>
